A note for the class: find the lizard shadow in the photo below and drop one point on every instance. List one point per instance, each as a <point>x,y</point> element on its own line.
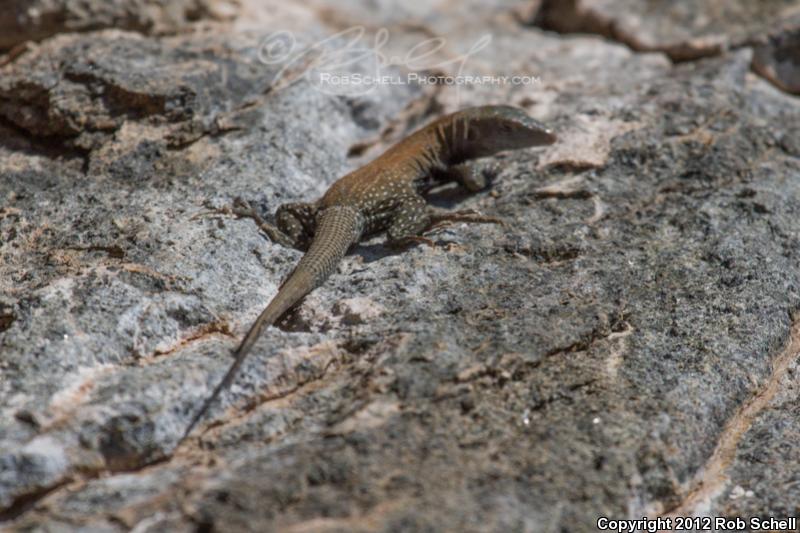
<point>377,251</point>
<point>445,197</point>
<point>449,196</point>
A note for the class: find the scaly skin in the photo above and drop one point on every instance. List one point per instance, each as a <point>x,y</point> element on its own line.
<point>385,195</point>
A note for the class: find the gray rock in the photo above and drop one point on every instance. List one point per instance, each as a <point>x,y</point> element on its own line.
<point>625,346</point>
<point>777,60</point>
<point>684,30</point>
<point>25,20</point>
<point>688,31</point>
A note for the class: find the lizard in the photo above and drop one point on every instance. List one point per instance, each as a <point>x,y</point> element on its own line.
<point>386,195</point>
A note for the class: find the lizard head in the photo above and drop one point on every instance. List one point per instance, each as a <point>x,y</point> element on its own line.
<point>495,128</point>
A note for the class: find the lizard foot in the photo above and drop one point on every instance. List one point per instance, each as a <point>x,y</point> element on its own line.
<point>440,220</point>
<point>241,208</point>
<point>411,239</point>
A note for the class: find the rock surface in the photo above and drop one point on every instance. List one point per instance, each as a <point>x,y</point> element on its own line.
<point>626,346</point>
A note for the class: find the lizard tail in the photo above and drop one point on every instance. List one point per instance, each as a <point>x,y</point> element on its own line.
<point>338,228</point>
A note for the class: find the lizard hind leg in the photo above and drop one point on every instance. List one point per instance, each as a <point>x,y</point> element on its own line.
<point>241,208</point>
<point>409,220</point>
<point>298,223</point>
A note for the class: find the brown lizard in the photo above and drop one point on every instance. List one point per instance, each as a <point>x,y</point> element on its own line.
<point>385,195</point>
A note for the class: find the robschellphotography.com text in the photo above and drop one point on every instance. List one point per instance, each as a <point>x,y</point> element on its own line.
<point>417,78</point>
<point>697,523</point>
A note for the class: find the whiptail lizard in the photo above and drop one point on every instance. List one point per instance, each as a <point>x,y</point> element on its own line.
<point>385,195</point>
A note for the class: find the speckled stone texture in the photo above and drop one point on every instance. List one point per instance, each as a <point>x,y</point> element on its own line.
<point>626,345</point>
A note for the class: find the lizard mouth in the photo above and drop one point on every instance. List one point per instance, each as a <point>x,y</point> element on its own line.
<point>547,137</point>
<point>539,136</point>
<point>537,133</point>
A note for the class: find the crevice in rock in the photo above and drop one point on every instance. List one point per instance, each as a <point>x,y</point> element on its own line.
<point>189,132</point>
<point>25,502</point>
<point>113,251</point>
<point>14,52</point>
<point>149,18</point>
<point>578,194</point>
<point>6,319</point>
<point>565,16</point>
<point>127,104</point>
<point>618,324</point>
<point>777,61</point>
<point>67,401</point>
<point>711,480</point>
<point>581,345</point>
<point>561,395</point>
<point>206,330</point>
<point>70,483</point>
<point>773,58</point>
<point>301,386</point>
<point>50,146</point>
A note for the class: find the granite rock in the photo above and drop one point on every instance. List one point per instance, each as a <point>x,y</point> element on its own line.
<point>625,346</point>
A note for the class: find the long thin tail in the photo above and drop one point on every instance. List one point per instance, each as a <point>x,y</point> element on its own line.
<point>338,228</point>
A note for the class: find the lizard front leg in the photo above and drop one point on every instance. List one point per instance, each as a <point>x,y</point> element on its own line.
<point>409,220</point>
<point>295,222</point>
<point>473,177</point>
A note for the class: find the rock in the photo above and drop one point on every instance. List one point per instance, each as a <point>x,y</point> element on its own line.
<point>625,345</point>
<point>777,60</point>
<point>357,310</point>
<point>24,20</point>
<point>684,30</point>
